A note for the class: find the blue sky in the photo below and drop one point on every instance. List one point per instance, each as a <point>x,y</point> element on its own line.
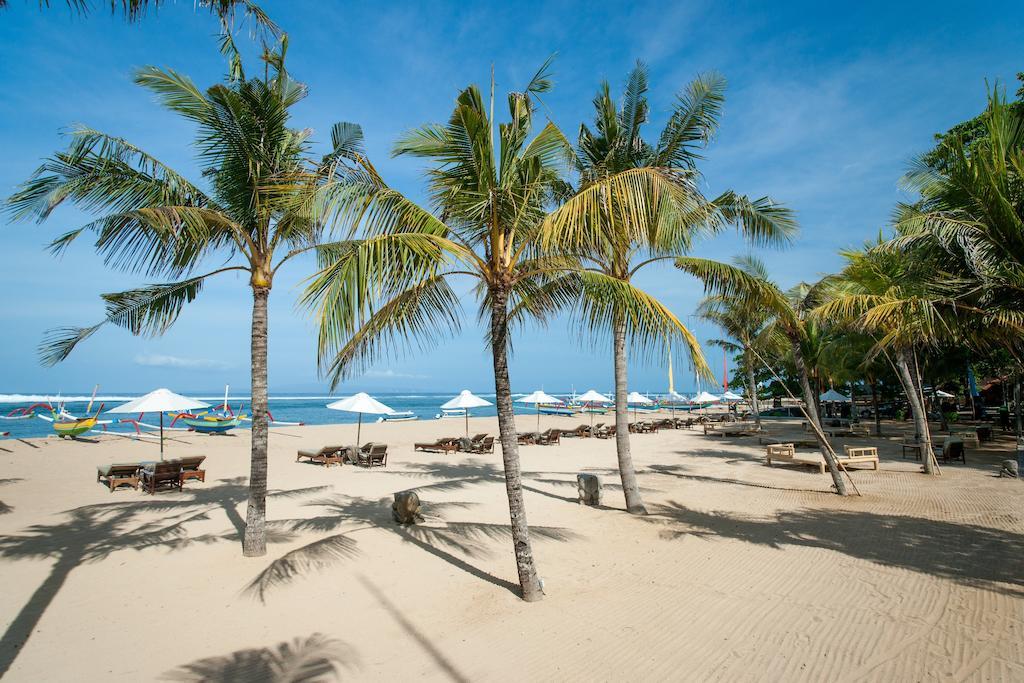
<point>825,106</point>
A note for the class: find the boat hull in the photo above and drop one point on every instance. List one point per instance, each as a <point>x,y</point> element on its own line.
<point>211,425</point>
<point>73,428</point>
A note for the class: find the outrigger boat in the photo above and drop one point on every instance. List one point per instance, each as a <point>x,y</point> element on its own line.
<point>450,412</point>
<point>400,416</point>
<point>207,423</point>
<point>564,411</point>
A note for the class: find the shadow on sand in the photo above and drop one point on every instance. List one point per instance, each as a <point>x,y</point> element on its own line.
<point>313,658</point>
<point>968,554</point>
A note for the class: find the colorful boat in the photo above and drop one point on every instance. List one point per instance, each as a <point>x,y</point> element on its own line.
<point>400,416</point>
<point>564,411</point>
<point>210,424</point>
<point>70,428</point>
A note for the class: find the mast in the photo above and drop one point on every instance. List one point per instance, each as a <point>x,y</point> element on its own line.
<point>671,383</point>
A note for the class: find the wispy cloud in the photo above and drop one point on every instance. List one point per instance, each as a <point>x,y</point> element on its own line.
<point>161,361</point>
<point>392,374</point>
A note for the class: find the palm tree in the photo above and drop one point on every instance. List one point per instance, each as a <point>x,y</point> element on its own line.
<point>258,210</point>
<point>390,284</point>
<point>638,203</point>
<point>745,324</point>
<point>791,313</point>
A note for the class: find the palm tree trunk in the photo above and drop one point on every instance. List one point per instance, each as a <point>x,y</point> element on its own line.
<point>874,407</point>
<point>528,579</point>
<point>906,370</point>
<point>254,543</point>
<point>812,415</point>
<point>752,387</point>
<point>627,473</point>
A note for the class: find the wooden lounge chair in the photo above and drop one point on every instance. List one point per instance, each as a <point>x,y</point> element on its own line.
<point>858,454</point>
<point>550,437</point>
<point>190,468</point>
<point>527,438</point>
<point>373,455</point>
<point>484,446</point>
<point>165,474</point>
<point>477,438</point>
<point>786,453</point>
<point>582,432</point>
<point>326,456</point>
<point>448,444</point>
<point>119,474</point>
<point>605,432</point>
<point>665,424</point>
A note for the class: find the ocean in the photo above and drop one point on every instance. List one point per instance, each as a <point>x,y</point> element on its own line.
<point>285,408</point>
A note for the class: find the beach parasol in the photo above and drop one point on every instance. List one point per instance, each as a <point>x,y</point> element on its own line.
<point>704,397</point>
<point>537,398</point>
<point>675,397</point>
<point>159,401</point>
<point>731,396</point>
<point>593,397</point>
<point>466,400</point>
<point>360,403</point>
<point>833,395</point>
<point>636,398</point>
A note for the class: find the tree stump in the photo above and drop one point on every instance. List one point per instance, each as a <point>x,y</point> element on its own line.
<point>589,488</point>
<point>406,508</point>
<point>1009,469</point>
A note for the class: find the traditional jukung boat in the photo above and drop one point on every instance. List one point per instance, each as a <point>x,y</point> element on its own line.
<point>205,423</point>
<point>450,412</point>
<point>400,416</point>
<point>70,428</point>
<point>565,411</point>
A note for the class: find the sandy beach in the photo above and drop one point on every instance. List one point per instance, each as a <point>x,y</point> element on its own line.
<point>741,571</point>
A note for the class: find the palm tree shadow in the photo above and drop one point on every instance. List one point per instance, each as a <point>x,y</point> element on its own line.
<point>92,533</point>
<point>680,472</point>
<point>313,658</point>
<point>467,538</point>
<point>443,662</point>
<point>965,553</point>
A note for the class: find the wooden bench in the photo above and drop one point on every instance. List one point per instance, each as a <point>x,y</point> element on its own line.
<point>967,436</point>
<point>858,454</point>
<point>786,453</point>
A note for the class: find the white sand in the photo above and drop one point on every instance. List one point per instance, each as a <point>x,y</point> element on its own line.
<point>740,572</point>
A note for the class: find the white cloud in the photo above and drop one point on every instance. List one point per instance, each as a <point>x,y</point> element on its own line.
<point>391,374</point>
<point>155,360</point>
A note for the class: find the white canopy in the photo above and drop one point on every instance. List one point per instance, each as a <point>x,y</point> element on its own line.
<point>159,401</point>
<point>676,396</point>
<point>594,397</point>
<point>731,396</point>
<point>636,397</point>
<point>361,403</point>
<point>833,395</point>
<point>538,397</point>
<point>705,397</point>
<point>466,399</point>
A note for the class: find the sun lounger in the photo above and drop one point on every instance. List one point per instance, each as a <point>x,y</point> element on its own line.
<point>786,453</point>
<point>119,474</point>
<point>477,438</point>
<point>605,432</point>
<point>527,438</point>
<point>448,444</point>
<point>190,468</point>
<point>326,456</point>
<point>165,474</point>
<point>550,437</point>
<point>582,432</point>
<point>373,455</point>
<point>484,446</point>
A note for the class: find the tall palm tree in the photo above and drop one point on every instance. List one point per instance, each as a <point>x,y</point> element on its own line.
<point>391,283</point>
<point>638,203</point>
<point>256,210</point>
<point>745,324</point>
<point>791,312</point>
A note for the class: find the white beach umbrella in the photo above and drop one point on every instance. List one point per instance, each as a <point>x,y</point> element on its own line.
<point>160,401</point>
<point>360,403</point>
<point>537,398</point>
<point>731,396</point>
<point>466,400</point>
<point>705,397</point>
<point>833,395</point>
<point>593,397</point>
<point>674,398</point>
<point>636,398</point>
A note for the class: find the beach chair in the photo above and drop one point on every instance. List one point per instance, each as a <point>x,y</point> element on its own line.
<point>190,468</point>
<point>165,474</point>
<point>527,438</point>
<point>665,424</point>
<point>477,438</point>
<point>550,437</point>
<point>119,474</point>
<point>786,453</point>
<point>582,432</point>
<point>859,454</point>
<point>448,444</point>
<point>605,432</point>
<point>326,456</point>
<point>484,446</point>
<point>373,455</point>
